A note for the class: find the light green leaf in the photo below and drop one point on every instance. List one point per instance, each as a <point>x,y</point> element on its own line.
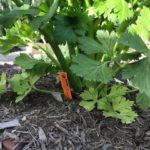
<point>89,45</point>
<point>19,83</point>
<point>119,7</point>
<point>143,101</point>
<point>119,108</point>
<point>107,40</point>
<point>22,84</point>
<point>3,83</point>
<point>88,105</point>
<point>133,41</point>
<point>91,94</point>
<point>142,26</point>
<point>117,90</point>
<point>139,75</point>
<point>91,70</point>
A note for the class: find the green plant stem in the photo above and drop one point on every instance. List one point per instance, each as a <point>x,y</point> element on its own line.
<point>71,49</point>
<point>70,3</point>
<point>48,54</point>
<point>42,90</point>
<point>18,2</point>
<point>87,3</point>
<point>132,91</point>
<point>74,81</point>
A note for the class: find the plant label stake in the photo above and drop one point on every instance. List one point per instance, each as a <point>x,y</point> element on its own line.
<point>65,85</point>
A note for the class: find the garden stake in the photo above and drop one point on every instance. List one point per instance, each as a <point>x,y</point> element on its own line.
<point>65,86</point>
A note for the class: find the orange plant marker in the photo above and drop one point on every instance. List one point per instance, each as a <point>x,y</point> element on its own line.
<point>65,86</point>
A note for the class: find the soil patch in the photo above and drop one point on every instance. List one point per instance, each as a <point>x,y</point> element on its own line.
<point>67,126</point>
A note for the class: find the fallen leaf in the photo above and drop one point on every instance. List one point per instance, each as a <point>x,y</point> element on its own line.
<point>9,124</point>
<point>57,96</point>
<point>8,144</point>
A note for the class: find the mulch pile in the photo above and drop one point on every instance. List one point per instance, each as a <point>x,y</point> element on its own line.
<point>67,126</point>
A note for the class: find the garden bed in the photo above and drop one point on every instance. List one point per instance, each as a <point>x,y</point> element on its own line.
<point>67,126</point>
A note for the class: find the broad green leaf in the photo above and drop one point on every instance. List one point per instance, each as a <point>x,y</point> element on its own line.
<point>119,108</point>
<point>89,45</point>
<point>3,83</point>
<point>64,30</point>
<point>91,70</point>
<point>138,73</point>
<point>133,41</point>
<point>25,61</point>
<point>107,40</point>
<point>143,101</point>
<point>88,105</point>
<point>42,20</point>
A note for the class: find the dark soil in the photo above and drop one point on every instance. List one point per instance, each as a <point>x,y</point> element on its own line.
<point>67,126</point>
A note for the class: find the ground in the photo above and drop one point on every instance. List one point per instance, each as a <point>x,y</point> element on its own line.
<point>68,126</point>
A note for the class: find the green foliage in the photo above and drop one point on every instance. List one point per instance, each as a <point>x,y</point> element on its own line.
<point>33,66</point>
<point>115,11</point>
<point>42,20</point>
<point>134,42</point>
<point>103,39</point>
<point>92,70</point>
<point>8,18</point>
<point>138,73</point>
<point>3,83</point>
<point>22,84</point>
<point>20,34</point>
<point>143,101</point>
<point>142,26</point>
<point>117,106</point>
<point>113,105</point>
<point>89,99</point>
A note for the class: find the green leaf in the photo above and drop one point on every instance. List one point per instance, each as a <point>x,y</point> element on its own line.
<point>107,40</point>
<point>133,41</point>
<point>91,94</point>
<point>115,11</point>
<point>42,20</point>
<point>89,45</point>
<point>19,83</point>
<point>64,30</point>
<point>117,90</point>
<point>88,105</point>
<point>143,101</point>
<point>3,83</point>
<point>8,18</point>
<point>25,61</point>
<point>119,108</point>
<point>142,26</point>
<point>138,73</point>
<point>22,84</point>
<point>91,70</point>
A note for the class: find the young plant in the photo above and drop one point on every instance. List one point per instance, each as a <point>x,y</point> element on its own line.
<point>104,39</point>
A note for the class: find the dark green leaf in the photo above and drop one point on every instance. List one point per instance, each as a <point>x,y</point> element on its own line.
<point>143,101</point>
<point>91,70</point>
<point>89,45</point>
<point>25,61</point>
<point>133,41</point>
<point>139,75</point>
